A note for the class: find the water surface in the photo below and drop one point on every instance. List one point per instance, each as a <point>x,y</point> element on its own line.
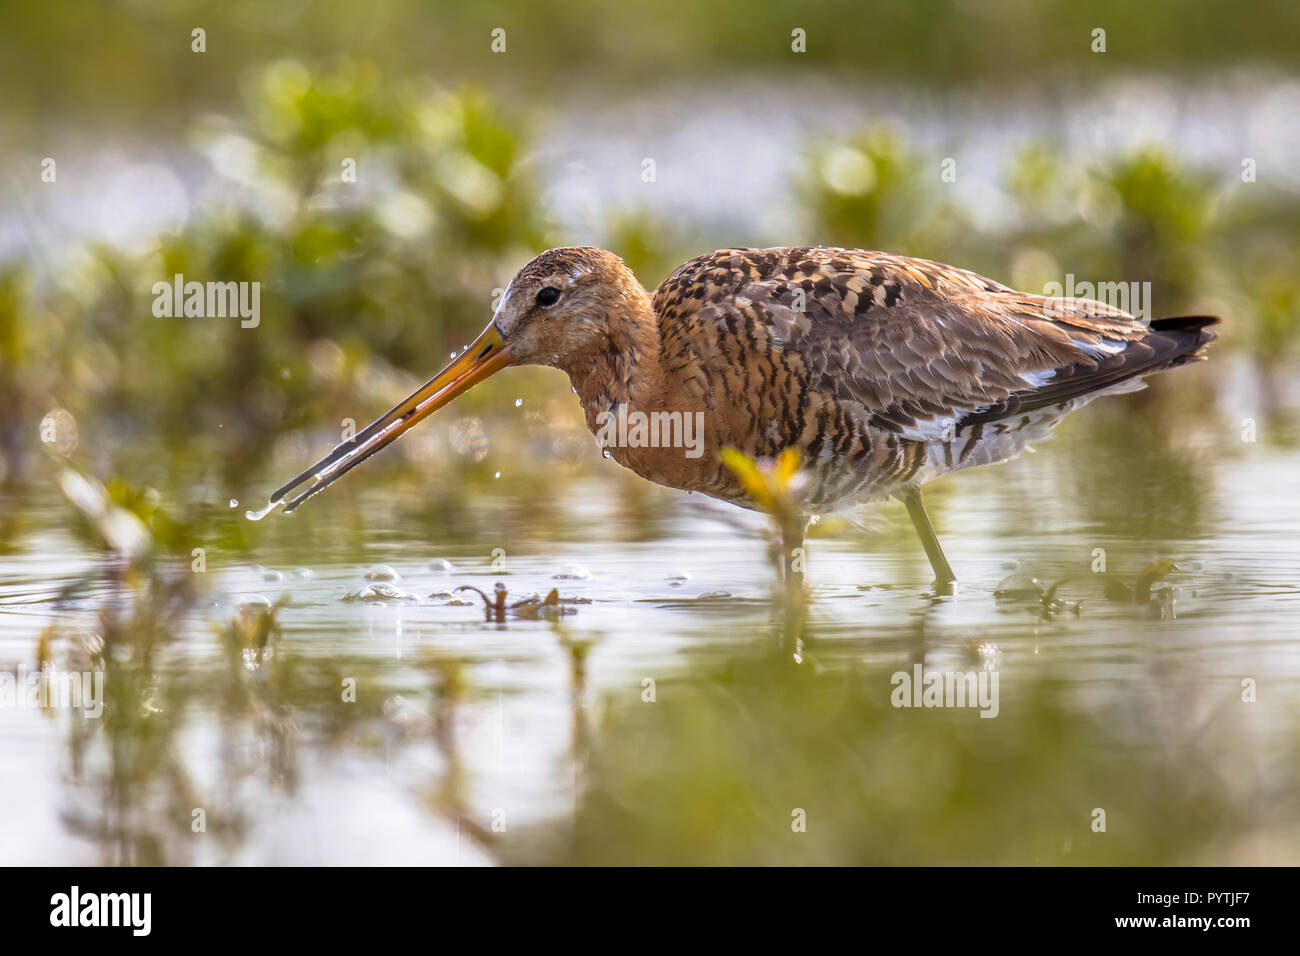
<point>472,741</point>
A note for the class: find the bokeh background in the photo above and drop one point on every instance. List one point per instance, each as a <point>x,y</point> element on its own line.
<point>1169,159</point>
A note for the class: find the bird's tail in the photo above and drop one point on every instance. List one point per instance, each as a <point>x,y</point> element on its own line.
<point>1182,338</point>
<point>1168,343</point>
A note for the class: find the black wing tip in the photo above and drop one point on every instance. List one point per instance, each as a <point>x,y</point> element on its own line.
<point>1188,323</point>
<point>1180,340</point>
<point>1191,334</point>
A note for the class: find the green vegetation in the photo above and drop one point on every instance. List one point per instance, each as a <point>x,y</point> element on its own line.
<point>127,438</point>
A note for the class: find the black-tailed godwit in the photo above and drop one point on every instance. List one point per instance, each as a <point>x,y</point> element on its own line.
<point>883,371</point>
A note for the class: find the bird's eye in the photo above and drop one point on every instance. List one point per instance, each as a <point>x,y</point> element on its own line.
<point>548,296</point>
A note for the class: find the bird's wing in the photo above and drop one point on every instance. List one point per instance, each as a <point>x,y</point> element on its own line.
<point>921,346</point>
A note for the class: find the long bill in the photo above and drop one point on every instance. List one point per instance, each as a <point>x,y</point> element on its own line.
<point>487,355</point>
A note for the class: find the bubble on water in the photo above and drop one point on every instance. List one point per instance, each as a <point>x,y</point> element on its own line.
<point>677,578</point>
<point>379,592</point>
<point>59,431</point>
<point>270,575</point>
<point>1019,585</point>
<point>573,572</point>
<point>234,502</point>
<point>305,573</point>
<point>382,572</point>
<point>497,475</point>
<point>441,564</point>
<point>518,402</point>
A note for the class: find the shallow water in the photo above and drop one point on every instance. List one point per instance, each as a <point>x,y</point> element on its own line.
<point>472,741</point>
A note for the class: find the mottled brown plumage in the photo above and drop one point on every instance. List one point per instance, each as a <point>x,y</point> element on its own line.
<point>884,371</point>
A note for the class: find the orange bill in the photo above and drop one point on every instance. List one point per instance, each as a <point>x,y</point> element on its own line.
<point>487,355</point>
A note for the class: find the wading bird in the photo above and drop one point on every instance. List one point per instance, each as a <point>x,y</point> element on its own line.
<point>883,371</point>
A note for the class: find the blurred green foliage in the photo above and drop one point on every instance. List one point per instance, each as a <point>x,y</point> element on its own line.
<point>367,284</point>
<point>60,54</point>
<point>358,282</point>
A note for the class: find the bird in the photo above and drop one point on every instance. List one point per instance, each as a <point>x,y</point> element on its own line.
<point>883,372</point>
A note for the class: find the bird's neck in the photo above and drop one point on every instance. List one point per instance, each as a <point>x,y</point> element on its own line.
<point>624,369</point>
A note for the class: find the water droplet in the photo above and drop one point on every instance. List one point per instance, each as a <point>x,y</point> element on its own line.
<point>259,515</point>
<point>234,502</point>
<point>606,453</point>
<point>468,438</point>
<point>497,475</point>
<point>518,402</point>
<point>453,354</point>
<point>990,654</point>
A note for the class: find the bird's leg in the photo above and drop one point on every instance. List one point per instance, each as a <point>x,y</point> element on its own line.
<point>794,603</point>
<point>911,498</point>
<point>793,556</point>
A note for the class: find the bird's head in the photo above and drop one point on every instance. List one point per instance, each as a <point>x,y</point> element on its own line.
<point>560,309</point>
<point>564,305</point>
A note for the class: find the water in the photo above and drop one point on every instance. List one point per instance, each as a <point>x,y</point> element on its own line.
<point>663,717</point>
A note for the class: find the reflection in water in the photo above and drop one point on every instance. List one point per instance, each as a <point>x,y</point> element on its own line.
<point>256,715</point>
